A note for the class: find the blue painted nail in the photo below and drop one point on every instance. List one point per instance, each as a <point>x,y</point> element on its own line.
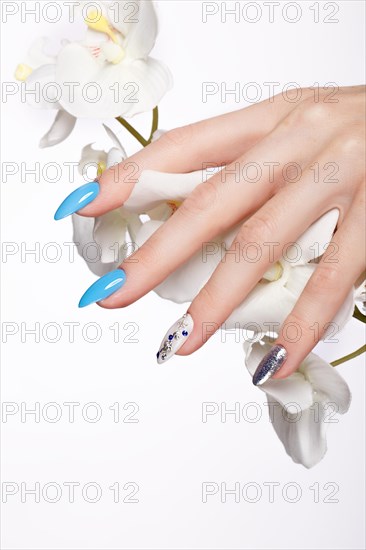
<point>103,287</point>
<point>77,200</point>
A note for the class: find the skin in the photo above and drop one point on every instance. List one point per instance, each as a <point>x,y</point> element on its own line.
<point>312,132</point>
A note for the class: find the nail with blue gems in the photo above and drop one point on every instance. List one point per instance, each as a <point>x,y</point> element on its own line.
<point>77,200</point>
<point>270,364</point>
<point>175,338</point>
<point>103,287</point>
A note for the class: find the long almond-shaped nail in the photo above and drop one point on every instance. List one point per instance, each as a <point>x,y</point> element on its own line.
<point>77,200</point>
<point>103,287</point>
<point>175,338</point>
<point>270,364</point>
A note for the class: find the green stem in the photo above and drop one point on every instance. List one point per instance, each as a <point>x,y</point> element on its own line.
<point>358,315</point>
<point>155,123</point>
<point>349,357</point>
<point>136,134</point>
<point>132,131</point>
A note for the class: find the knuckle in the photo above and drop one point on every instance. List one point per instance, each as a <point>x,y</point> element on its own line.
<point>178,137</point>
<point>297,325</point>
<point>325,279</point>
<point>202,198</point>
<point>310,112</point>
<point>210,299</point>
<point>257,229</point>
<point>206,298</point>
<point>146,257</point>
<point>349,144</point>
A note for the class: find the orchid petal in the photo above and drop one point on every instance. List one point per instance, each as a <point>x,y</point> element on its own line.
<point>162,212</point>
<point>158,134</point>
<point>292,391</point>
<point>84,240</point>
<point>139,26</point>
<point>36,54</point>
<point>184,283</point>
<point>297,278</point>
<point>327,382</point>
<point>110,235</point>
<point>115,156</point>
<point>296,282</point>
<point>116,142</point>
<point>360,297</point>
<point>145,82</point>
<point>270,302</point>
<point>141,84</point>
<point>302,434</point>
<point>91,157</point>
<point>154,187</point>
<point>38,79</point>
<point>61,128</point>
<point>93,237</point>
<point>134,225</point>
<point>343,315</point>
<point>266,306</point>
<point>310,391</point>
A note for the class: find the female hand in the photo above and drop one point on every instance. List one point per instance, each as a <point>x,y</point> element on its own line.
<point>311,159</point>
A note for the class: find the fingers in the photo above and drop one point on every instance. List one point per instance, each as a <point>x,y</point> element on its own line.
<point>280,221</point>
<point>326,290</point>
<point>212,208</point>
<point>219,140</point>
<point>259,244</point>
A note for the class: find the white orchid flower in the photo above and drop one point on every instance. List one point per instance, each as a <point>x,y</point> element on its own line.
<point>100,159</point>
<point>302,406</point>
<point>110,70</point>
<point>38,73</point>
<point>159,194</point>
<point>360,298</point>
<point>275,295</point>
<point>273,298</point>
<point>108,231</point>
<point>105,241</point>
<point>316,388</point>
<point>115,55</point>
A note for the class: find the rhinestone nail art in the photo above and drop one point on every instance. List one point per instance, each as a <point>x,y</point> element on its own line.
<point>175,338</point>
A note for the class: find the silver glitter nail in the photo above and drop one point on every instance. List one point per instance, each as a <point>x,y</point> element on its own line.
<point>270,364</point>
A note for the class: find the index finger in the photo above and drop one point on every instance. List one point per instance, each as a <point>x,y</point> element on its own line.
<point>219,140</point>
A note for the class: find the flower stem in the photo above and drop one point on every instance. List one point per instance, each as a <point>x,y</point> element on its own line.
<point>155,123</point>
<point>132,131</point>
<point>136,134</point>
<point>358,315</point>
<point>349,357</point>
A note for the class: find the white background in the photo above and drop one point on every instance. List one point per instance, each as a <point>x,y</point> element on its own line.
<point>170,452</point>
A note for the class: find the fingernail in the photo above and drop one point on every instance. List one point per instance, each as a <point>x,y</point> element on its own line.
<point>77,200</point>
<point>103,287</point>
<point>175,338</point>
<point>270,364</point>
